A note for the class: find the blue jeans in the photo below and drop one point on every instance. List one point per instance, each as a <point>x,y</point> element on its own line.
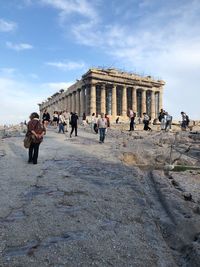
<point>61,128</point>
<point>102,132</point>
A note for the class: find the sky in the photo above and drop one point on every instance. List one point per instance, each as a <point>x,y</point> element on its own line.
<point>45,45</point>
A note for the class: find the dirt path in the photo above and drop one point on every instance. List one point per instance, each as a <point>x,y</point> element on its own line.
<point>81,206</point>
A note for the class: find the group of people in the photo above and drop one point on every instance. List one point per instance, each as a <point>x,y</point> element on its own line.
<point>62,120</point>
<point>36,129</point>
<point>94,122</point>
<point>165,120</point>
<point>99,124</point>
<point>132,117</point>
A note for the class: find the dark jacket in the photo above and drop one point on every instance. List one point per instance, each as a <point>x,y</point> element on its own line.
<point>46,117</point>
<point>74,119</point>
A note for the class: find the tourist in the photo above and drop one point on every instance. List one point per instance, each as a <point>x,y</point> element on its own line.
<point>132,119</point>
<point>66,115</point>
<point>92,121</point>
<point>108,120</point>
<point>55,119</point>
<point>95,124</point>
<point>61,123</point>
<point>45,118</point>
<point>102,125</point>
<point>36,130</point>
<point>161,119</point>
<point>168,119</point>
<point>185,121</point>
<point>146,122</point>
<point>117,120</point>
<point>74,123</point>
<point>84,119</point>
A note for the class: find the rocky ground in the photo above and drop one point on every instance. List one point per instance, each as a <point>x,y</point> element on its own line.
<point>90,204</point>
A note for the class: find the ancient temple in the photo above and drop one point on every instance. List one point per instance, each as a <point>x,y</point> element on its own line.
<point>109,91</point>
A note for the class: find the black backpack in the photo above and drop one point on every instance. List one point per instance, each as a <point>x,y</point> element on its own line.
<point>160,117</point>
<point>187,119</point>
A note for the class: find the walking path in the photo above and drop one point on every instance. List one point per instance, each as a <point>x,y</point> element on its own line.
<point>80,206</point>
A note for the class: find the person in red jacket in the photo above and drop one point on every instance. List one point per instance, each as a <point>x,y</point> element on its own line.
<point>36,130</point>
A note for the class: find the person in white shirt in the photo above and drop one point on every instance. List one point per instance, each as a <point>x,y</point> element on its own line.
<point>66,115</point>
<point>168,119</point>
<point>146,122</point>
<point>61,121</point>
<point>102,125</point>
<point>93,117</point>
<point>132,118</point>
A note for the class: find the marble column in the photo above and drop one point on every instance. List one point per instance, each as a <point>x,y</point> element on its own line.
<point>124,101</point>
<point>114,101</point>
<point>86,99</point>
<point>160,99</point>
<point>78,102</point>
<point>82,102</point>
<point>73,102</point>
<point>70,97</point>
<point>153,108</point>
<point>103,99</point>
<point>134,100</point>
<point>68,103</point>
<point>143,102</point>
<point>93,99</point>
<point>62,104</point>
<point>58,104</point>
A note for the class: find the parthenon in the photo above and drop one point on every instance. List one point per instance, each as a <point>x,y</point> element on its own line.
<point>109,91</point>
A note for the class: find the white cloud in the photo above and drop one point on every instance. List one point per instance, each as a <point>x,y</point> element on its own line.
<point>160,39</point>
<point>13,94</point>
<point>20,98</point>
<point>19,47</point>
<point>164,43</point>
<point>7,26</point>
<point>66,7</point>
<point>57,86</point>
<point>65,66</point>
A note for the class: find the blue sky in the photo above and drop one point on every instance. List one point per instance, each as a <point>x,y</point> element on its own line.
<point>45,45</point>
